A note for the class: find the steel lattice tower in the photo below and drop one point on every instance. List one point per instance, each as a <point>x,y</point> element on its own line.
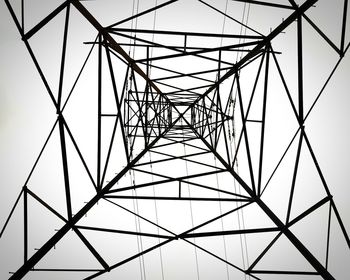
<point>183,149</point>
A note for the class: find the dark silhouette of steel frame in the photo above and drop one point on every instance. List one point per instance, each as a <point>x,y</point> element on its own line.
<point>149,114</point>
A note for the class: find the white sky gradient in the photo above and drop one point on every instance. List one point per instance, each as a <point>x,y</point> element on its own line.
<point>27,115</point>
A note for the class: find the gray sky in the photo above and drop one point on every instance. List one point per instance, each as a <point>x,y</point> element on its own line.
<point>27,114</point>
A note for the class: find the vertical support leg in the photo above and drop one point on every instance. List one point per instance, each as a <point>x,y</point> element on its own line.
<point>63,60</point>
<point>99,105</point>
<point>262,135</point>
<point>65,166</point>
<point>345,11</point>
<point>25,223</point>
<point>146,92</point>
<point>300,70</point>
<point>22,15</point>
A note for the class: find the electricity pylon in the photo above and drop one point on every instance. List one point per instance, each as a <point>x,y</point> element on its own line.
<point>181,147</point>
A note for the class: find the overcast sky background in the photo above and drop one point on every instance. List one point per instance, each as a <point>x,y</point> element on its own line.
<point>27,114</point>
